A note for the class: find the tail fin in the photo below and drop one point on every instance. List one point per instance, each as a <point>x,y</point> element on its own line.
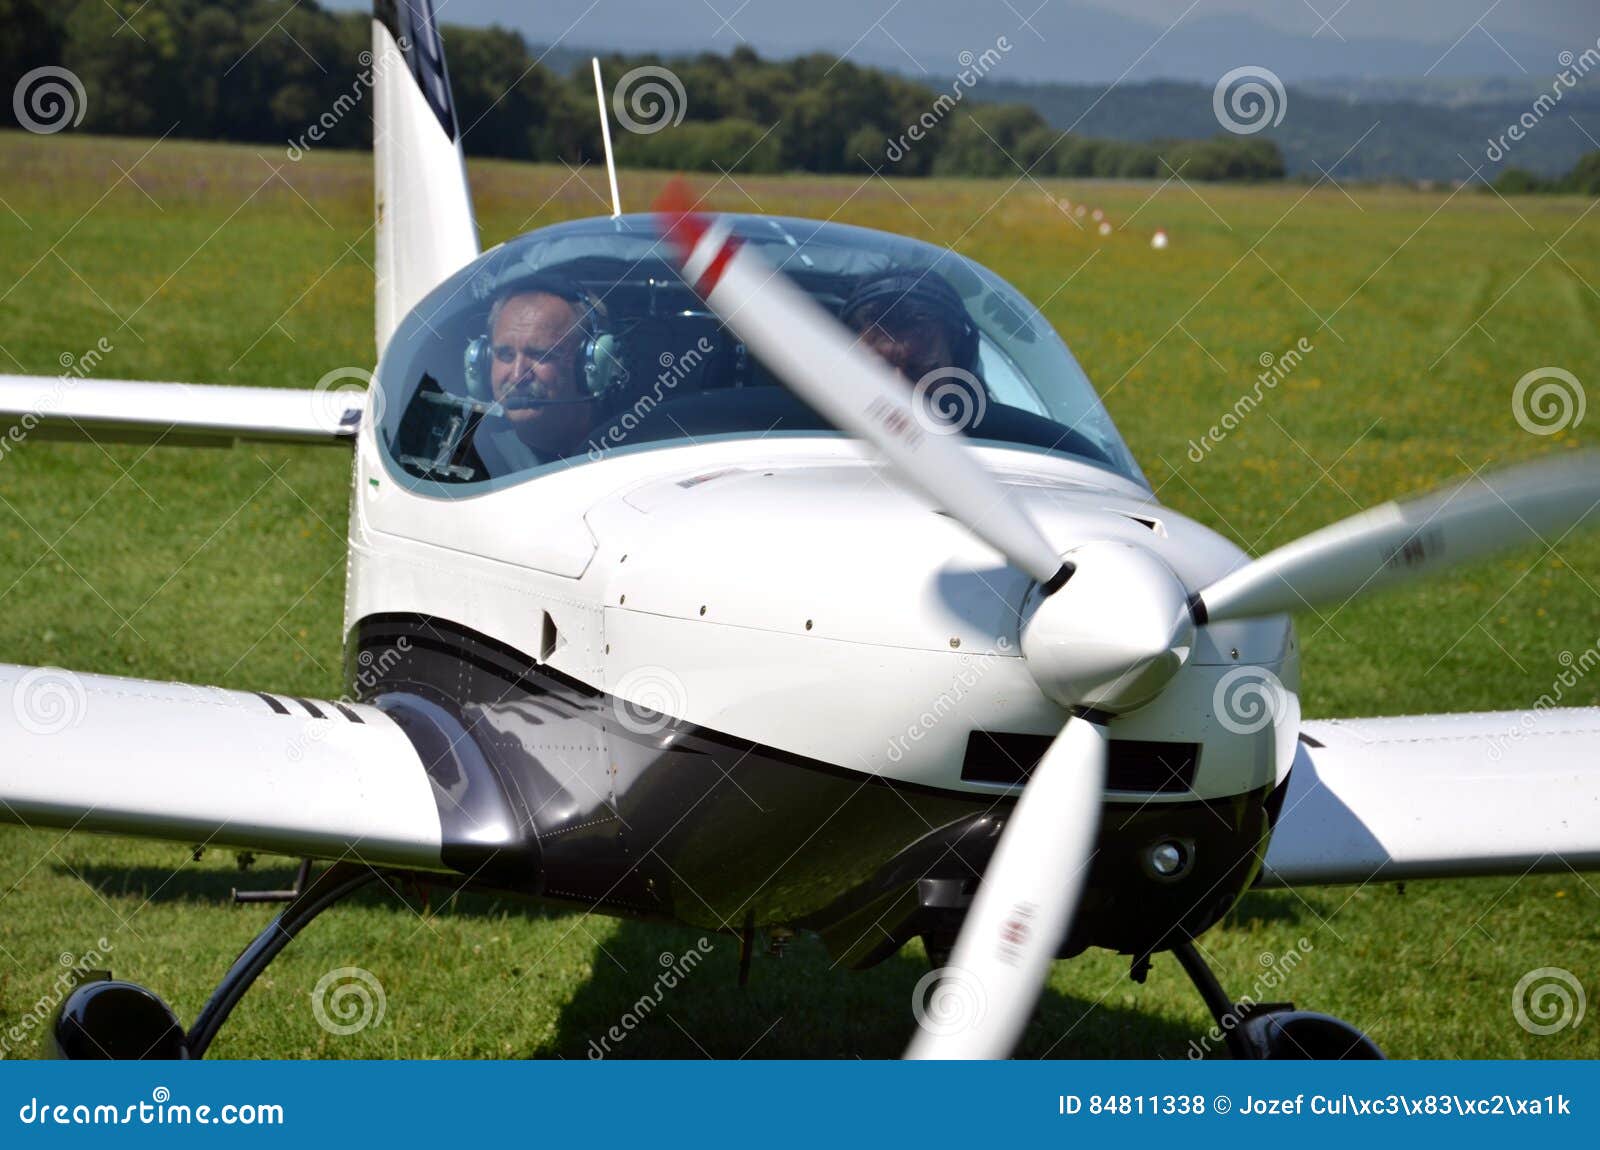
<point>425,229</point>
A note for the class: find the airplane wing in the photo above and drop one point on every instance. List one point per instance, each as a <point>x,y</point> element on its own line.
<point>200,765</point>
<point>1440,796</point>
<point>254,770</point>
<point>190,414</point>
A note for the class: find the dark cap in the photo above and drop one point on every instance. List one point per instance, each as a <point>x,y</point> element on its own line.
<point>925,290</point>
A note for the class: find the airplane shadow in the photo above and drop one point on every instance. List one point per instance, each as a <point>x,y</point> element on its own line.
<point>213,885</point>
<point>648,999</point>
<point>1279,906</point>
<point>190,883</point>
<point>662,991</point>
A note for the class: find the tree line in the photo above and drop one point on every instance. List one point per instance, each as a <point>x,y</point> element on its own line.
<point>1582,180</point>
<point>265,71</point>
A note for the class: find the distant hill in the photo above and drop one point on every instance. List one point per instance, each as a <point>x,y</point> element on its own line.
<point>1413,140</point>
<point>1067,42</point>
<point>213,73</point>
<point>1422,123</point>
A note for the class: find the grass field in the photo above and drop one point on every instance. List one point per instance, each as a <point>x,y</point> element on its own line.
<point>230,264</point>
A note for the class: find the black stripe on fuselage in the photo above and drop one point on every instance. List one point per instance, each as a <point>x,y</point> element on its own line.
<point>701,827</point>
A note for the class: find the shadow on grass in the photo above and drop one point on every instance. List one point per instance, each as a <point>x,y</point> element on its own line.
<point>672,992</point>
<point>214,886</point>
<point>648,999</point>
<point>1278,906</point>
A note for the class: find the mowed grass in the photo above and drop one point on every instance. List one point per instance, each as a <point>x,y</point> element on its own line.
<point>228,264</point>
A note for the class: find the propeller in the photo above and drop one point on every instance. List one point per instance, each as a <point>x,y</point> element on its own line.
<point>1025,902</point>
<point>1412,539</point>
<point>1106,628</point>
<point>1108,641</point>
<point>1108,625</point>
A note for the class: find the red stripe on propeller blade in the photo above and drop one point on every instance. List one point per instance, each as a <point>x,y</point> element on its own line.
<point>683,226</point>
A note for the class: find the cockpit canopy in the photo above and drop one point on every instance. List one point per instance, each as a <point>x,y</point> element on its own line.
<point>579,341</point>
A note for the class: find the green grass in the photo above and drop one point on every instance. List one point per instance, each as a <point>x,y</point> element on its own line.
<point>226,567</point>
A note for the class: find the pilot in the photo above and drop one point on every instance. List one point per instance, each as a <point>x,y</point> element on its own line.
<point>536,336</point>
<point>916,322</point>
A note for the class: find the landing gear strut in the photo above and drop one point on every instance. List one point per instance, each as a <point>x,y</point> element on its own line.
<point>111,1019</point>
<point>332,885</point>
<point>1272,1030</point>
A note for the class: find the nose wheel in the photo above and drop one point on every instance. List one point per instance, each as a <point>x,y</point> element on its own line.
<point>1273,1030</point>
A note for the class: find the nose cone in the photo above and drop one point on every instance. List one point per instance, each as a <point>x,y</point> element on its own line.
<point>1114,635</point>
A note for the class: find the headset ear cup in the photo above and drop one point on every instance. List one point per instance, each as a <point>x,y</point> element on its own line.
<point>476,369</point>
<point>603,367</point>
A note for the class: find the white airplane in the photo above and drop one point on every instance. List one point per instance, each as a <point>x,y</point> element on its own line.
<point>674,593</point>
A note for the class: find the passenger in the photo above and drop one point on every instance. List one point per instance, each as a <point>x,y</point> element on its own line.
<point>914,321</point>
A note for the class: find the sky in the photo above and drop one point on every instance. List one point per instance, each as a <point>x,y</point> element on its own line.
<point>1092,41</point>
<point>1430,21</point>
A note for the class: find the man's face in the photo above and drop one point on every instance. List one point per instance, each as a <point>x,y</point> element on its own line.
<point>535,345</point>
<point>907,337</point>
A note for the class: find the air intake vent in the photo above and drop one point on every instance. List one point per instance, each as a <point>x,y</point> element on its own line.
<point>1145,521</point>
<point>1152,768</point>
<point>1142,767</point>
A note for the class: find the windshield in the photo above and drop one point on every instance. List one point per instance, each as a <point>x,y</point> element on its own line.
<point>580,341</point>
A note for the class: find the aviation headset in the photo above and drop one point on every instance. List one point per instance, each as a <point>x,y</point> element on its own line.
<point>599,353</point>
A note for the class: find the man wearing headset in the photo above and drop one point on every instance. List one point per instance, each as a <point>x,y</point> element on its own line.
<point>536,336</point>
<point>915,321</point>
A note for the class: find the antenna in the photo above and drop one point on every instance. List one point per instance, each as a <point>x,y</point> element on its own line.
<point>605,134</point>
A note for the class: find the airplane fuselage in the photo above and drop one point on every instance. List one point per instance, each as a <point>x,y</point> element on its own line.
<point>755,682</point>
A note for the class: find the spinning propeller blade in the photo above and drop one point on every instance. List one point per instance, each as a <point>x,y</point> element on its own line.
<point>1411,539</point>
<point>1025,903</point>
<point>820,359</point>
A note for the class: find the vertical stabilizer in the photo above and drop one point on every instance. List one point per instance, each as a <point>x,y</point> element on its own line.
<point>424,224</point>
